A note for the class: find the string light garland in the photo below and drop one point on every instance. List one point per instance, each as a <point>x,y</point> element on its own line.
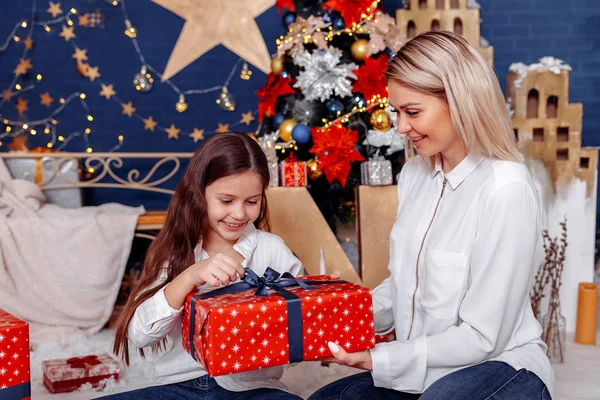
<point>142,81</point>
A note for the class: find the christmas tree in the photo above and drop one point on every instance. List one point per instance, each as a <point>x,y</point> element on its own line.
<point>325,100</point>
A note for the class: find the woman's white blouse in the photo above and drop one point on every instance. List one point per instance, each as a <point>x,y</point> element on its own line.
<point>467,299</point>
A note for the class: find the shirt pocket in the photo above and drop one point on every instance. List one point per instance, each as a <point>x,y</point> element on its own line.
<point>444,280</point>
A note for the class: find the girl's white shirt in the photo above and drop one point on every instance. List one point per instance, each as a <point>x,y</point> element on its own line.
<point>155,319</point>
<point>467,300</point>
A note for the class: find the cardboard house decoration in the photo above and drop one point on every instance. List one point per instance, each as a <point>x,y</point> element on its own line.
<point>548,131</point>
<point>458,16</point>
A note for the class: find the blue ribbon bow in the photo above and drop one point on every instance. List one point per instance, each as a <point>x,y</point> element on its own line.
<point>270,280</point>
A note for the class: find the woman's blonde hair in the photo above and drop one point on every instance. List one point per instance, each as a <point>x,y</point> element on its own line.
<point>443,64</point>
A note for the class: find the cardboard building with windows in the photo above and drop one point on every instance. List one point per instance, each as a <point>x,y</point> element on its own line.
<point>548,130</point>
<point>458,16</point>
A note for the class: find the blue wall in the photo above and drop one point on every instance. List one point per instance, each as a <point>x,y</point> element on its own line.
<point>519,30</point>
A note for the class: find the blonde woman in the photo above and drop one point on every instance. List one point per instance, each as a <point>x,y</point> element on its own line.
<point>463,248</point>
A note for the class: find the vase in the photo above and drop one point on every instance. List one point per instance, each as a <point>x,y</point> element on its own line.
<point>554,325</point>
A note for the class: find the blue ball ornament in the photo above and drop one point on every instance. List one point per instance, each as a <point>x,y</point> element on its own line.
<point>301,133</point>
<point>337,23</point>
<point>358,100</point>
<point>289,18</point>
<point>277,120</point>
<point>334,107</point>
<point>284,74</point>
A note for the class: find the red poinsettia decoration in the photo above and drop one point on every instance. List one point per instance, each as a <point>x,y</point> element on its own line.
<point>371,77</point>
<point>351,10</point>
<point>281,4</point>
<point>267,96</point>
<point>335,148</point>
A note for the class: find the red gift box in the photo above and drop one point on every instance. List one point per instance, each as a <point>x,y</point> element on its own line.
<point>241,328</point>
<point>68,374</point>
<point>14,358</point>
<point>293,173</point>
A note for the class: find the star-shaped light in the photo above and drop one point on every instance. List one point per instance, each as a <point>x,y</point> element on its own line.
<point>128,109</point>
<point>222,128</point>
<point>21,106</point>
<point>92,73</point>
<point>247,118</point>
<point>197,134</point>
<point>172,132</point>
<point>150,124</point>
<point>80,54</point>
<point>45,99</point>
<point>67,33</point>
<point>54,9</point>
<point>209,23</point>
<point>107,91</point>
<point>23,67</point>
<point>28,43</point>
<point>7,94</point>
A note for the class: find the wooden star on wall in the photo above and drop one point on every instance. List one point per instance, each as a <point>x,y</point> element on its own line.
<point>84,20</point>
<point>247,118</point>
<point>28,43</point>
<point>92,73</point>
<point>54,9</point>
<point>128,109</point>
<point>23,67</point>
<point>222,128</point>
<point>80,55</point>
<point>150,124</point>
<point>107,91</point>
<point>21,106</point>
<point>67,33</point>
<point>45,99</point>
<point>19,143</point>
<point>209,23</point>
<point>197,134</point>
<point>172,132</point>
<point>7,94</point>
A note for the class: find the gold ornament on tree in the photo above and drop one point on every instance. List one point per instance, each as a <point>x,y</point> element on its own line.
<point>285,129</point>
<point>277,65</point>
<point>381,120</point>
<point>313,169</point>
<point>359,49</point>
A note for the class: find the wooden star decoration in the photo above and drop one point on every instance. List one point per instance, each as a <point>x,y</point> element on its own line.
<point>172,132</point>
<point>197,134</point>
<point>21,106</point>
<point>80,55</point>
<point>18,143</point>
<point>247,118</point>
<point>150,124</point>
<point>92,73</point>
<point>209,23</point>
<point>8,94</point>
<point>55,9</point>
<point>84,20</point>
<point>128,109</point>
<point>28,43</point>
<point>222,128</point>
<point>45,99</point>
<point>23,67</point>
<point>67,33</point>
<point>107,91</point>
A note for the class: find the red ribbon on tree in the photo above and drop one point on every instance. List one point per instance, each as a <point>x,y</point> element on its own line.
<point>83,362</point>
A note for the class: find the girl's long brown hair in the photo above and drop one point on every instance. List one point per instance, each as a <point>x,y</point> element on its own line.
<point>219,156</point>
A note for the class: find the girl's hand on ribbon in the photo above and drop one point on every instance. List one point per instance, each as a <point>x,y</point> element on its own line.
<point>360,359</point>
<point>335,275</point>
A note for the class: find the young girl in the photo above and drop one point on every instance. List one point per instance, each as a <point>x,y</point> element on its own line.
<point>210,235</point>
<point>463,248</point>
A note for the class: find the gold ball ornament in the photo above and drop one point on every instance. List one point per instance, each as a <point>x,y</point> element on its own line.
<point>277,65</point>
<point>285,129</point>
<point>314,171</point>
<point>359,49</point>
<point>381,120</point>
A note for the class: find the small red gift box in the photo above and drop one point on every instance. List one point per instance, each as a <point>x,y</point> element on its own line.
<point>14,358</point>
<point>292,173</point>
<point>241,327</point>
<point>68,374</point>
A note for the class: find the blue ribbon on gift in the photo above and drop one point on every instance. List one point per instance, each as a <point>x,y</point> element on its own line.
<point>16,392</point>
<point>270,280</point>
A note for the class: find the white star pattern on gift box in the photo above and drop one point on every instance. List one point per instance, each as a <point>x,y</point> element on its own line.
<point>14,351</point>
<point>257,327</point>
